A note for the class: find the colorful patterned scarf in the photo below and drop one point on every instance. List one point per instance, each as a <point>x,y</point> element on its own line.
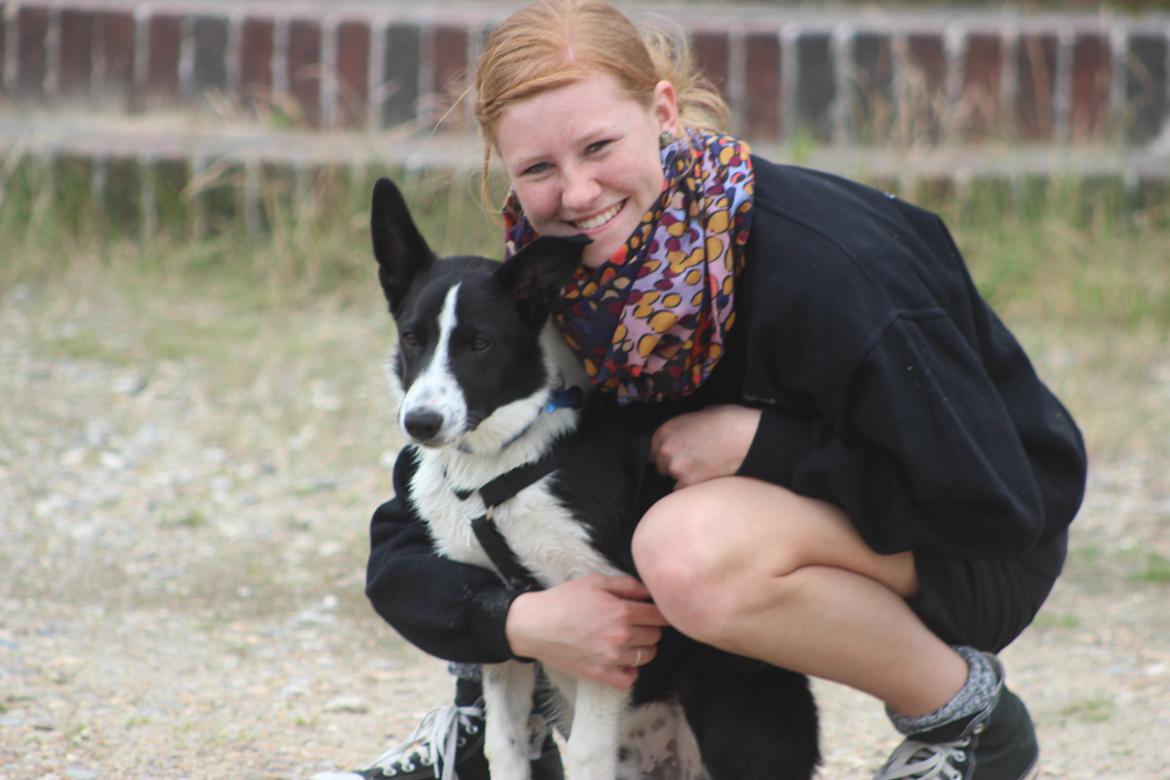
<point>650,323</point>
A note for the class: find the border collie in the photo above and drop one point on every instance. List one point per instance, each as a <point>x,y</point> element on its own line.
<point>482,380</point>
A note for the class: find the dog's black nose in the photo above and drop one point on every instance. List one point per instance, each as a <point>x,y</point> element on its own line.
<point>423,425</point>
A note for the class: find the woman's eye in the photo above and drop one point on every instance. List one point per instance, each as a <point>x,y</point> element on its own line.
<point>480,343</point>
<point>534,170</point>
<point>408,339</point>
<point>597,146</point>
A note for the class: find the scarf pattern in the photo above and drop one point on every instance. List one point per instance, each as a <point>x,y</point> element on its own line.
<point>650,323</point>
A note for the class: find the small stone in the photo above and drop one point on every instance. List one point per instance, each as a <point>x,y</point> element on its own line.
<point>131,385</point>
<point>347,703</point>
<point>112,461</point>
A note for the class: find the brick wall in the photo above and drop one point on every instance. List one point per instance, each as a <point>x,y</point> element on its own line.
<point>843,77</point>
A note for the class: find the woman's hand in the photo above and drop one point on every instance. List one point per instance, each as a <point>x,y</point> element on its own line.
<point>703,445</point>
<point>596,627</point>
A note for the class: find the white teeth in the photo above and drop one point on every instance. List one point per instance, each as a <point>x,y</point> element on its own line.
<point>600,219</point>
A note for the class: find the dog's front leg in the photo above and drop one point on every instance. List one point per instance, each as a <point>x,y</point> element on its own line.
<point>598,714</point>
<point>507,693</point>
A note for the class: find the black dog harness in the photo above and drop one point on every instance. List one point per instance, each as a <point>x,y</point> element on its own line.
<point>514,573</point>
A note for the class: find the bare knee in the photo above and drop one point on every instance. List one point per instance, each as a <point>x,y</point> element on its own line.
<point>668,549</point>
<point>699,576</point>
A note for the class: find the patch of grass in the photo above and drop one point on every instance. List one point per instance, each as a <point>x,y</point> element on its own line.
<point>191,519</point>
<point>1156,570</point>
<point>1087,554</point>
<point>1098,709</point>
<point>1058,250</point>
<point>14,699</point>
<point>1067,252</point>
<point>86,347</point>
<point>1076,270</point>
<point>76,731</point>
<point>1057,621</point>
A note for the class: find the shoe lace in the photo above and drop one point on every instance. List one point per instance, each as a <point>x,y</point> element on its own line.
<point>434,742</point>
<point>926,761</point>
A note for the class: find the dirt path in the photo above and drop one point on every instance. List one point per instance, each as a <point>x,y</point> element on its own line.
<point>184,491</point>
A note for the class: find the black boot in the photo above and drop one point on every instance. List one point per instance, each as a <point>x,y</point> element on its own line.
<point>996,743</point>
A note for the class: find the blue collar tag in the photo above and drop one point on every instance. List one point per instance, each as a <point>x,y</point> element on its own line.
<point>565,398</point>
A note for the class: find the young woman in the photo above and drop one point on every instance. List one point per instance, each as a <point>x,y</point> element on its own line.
<point>873,486</point>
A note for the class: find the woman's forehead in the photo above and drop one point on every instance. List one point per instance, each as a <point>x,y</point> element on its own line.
<point>594,104</point>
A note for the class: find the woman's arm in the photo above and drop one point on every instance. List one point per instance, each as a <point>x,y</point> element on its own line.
<point>710,443</point>
<point>448,609</point>
<point>928,451</point>
<point>593,627</point>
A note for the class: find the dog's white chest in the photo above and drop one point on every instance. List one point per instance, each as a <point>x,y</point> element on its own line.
<point>540,530</point>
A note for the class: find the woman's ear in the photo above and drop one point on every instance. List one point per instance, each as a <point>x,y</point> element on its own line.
<point>666,108</point>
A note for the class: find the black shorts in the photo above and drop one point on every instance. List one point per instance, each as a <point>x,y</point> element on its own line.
<point>984,603</point>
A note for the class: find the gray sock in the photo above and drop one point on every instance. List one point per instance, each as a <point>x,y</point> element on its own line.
<point>975,694</point>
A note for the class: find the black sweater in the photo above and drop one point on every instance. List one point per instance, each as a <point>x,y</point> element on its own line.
<point>887,386</point>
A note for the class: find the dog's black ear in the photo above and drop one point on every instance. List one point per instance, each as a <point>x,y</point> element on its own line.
<point>398,246</point>
<point>536,274</point>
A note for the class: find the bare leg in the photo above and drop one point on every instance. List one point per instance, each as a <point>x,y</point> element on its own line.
<point>757,570</point>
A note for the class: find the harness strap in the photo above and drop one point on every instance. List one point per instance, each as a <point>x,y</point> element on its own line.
<point>514,573</point>
<point>512,482</point>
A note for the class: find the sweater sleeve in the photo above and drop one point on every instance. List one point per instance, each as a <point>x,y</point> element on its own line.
<point>448,609</point>
<point>925,452</point>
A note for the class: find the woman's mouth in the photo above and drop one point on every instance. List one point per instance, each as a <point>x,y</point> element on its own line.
<point>599,219</point>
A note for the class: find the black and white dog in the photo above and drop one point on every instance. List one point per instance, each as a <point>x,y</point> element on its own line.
<point>513,474</point>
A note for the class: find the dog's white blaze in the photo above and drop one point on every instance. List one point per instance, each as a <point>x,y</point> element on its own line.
<point>436,389</point>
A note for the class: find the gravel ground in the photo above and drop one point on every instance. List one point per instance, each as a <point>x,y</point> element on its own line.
<point>185,484</point>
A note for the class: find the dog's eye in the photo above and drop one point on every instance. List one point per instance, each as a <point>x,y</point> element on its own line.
<point>408,339</point>
<point>480,343</point>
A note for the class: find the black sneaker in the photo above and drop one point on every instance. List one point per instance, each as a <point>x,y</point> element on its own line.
<point>996,743</point>
<point>448,745</point>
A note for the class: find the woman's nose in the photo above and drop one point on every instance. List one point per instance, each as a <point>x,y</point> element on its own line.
<point>579,190</point>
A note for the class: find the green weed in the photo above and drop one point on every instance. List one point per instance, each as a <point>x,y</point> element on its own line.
<point>1098,709</point>
<point>191,519</point>
<point>1057,621</point>
<point>86,347</point>
<point>1156,570</point>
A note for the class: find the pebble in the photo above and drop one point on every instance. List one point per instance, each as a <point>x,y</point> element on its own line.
<point>348,704</point>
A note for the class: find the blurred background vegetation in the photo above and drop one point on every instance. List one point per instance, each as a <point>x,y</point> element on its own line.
<point>1075,266</point>
<point>1061,249</point>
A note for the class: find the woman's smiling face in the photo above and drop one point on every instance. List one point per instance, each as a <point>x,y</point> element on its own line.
<point>584,159</point>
